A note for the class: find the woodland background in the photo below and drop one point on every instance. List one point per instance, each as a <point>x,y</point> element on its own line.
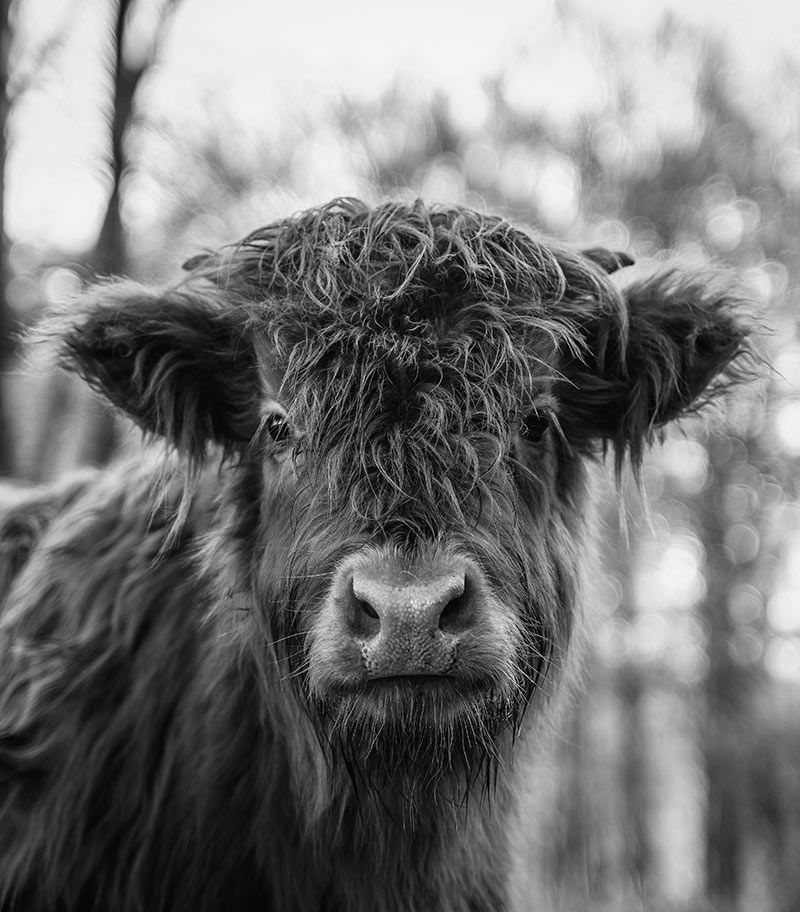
<point>129,146</point>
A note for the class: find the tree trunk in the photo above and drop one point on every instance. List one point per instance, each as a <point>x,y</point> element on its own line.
<point>727,691</point>
<point>6,317</point>
<point>635,781</point>
<point>100,437</point>
<point>110,254</point>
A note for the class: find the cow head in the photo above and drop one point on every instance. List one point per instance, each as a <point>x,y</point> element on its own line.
<point>407,397</point>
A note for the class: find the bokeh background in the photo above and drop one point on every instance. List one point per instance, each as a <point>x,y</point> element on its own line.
<point>139,132</point>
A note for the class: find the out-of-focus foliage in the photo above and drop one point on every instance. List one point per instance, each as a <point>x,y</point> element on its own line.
<point>678,780</point>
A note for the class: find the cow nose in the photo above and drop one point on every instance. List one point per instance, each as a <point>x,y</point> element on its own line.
<point>427,606</point>
<point>407,625</point>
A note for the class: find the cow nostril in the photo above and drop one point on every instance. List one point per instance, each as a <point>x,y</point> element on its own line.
<point>364,619</point>
<point>366,608</point>
<point>456,614</point>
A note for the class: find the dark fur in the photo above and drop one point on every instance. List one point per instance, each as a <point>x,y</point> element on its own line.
<point>162,745</point>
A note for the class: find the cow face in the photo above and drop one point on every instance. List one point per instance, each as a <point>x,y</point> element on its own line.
<point>408,396</point>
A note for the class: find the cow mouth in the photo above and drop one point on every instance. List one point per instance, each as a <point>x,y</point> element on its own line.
<point>411,683</point>
<point>418,702</point>
<point>413,686</point>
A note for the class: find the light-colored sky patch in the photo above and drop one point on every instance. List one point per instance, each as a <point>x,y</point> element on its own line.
<point>266,62</point>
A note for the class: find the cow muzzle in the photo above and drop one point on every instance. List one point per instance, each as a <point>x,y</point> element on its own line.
<point>390,616</point>
<point>408,622</point>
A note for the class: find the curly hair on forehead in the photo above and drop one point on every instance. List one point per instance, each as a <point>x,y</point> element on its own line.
<point>419,286</point>
<point>397,257</point>
<point>411,335</point>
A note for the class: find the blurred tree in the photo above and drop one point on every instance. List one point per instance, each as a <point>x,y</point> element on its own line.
<point>631,686</point>
<point>6,318</point>
<point>127,71</point>
<point>733,163</point>
<point>13,87</point>
<point>96,436</point>
<point>110,254</point>
<point>728,692</point>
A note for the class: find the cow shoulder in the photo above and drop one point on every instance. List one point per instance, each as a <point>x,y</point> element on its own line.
<point>93,554</point>
<point>25,514</point>
<point>100,639</point>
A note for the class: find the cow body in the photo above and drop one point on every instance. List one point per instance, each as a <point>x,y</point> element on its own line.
<point>305,661</point>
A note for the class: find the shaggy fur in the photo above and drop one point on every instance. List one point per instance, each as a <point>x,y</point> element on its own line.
<point>414,382</point>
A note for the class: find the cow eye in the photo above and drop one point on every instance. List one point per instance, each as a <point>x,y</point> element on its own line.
<point>534,426</point>
<point>278,426</point>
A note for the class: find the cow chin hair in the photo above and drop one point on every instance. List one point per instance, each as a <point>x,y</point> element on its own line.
<point>411,755</point>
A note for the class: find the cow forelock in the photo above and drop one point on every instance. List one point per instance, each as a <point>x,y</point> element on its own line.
<point>401,433</point>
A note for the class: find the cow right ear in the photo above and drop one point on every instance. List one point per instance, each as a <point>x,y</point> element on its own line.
<point>176,361</point>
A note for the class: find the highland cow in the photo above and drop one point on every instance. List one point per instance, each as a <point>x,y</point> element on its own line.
<point>302,659</point>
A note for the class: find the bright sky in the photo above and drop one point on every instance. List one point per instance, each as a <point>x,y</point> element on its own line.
<point>267,60</point>
<point>359,45</point>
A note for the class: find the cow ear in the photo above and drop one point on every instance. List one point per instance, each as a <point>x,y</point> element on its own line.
<point>180,364</point>
<point>679,341</point>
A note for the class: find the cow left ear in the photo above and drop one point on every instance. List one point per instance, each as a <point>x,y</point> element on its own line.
<point>678,340</point>
<point>178,361</point>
